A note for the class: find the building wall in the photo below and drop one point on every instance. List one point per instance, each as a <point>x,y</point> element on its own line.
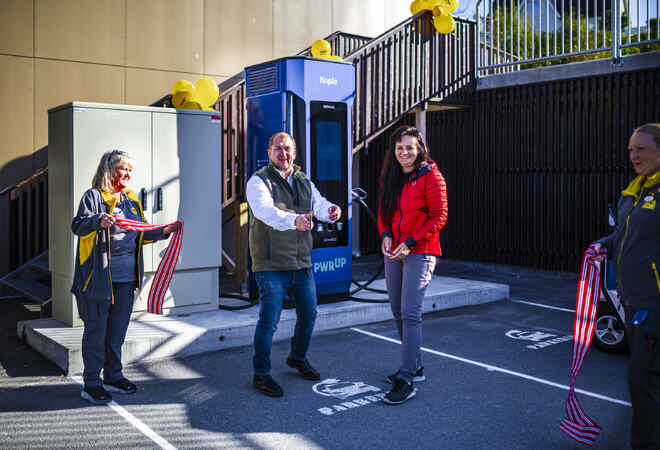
<point>132,51</point>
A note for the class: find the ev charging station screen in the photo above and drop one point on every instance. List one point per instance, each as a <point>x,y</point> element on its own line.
<point>329,164</point>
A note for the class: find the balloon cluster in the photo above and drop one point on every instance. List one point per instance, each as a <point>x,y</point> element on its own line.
<point>321,49</point>
<point>201,96</point>
<point>441,9</point>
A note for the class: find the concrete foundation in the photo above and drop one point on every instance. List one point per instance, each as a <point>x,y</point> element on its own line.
<point>167,336</point>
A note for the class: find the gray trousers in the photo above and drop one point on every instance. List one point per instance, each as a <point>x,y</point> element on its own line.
<point>406,282</point>
<point>104,334</point>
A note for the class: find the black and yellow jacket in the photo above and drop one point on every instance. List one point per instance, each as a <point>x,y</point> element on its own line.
<point>91,278</point>
<point>634,246</point>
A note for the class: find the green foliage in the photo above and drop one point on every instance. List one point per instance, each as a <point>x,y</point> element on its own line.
<point>517,39</point>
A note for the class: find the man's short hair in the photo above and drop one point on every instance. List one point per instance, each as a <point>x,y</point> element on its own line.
<point>283,134</point>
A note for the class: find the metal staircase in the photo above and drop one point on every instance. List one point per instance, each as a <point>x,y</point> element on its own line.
<point>31,281</point>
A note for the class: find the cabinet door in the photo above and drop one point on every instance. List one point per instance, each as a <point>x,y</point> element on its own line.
<point>98,130</point>
<point>187,167</point>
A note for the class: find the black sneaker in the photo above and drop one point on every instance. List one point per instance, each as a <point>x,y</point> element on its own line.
<point>267,386</point>
<point>122,386</point>
<point>400,392</point>
<point>96,395</point>
<point>419,376</point>
<point>305,370</point>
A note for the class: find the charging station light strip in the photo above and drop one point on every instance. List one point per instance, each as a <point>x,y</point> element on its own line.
<point>498,369</point>
<point>137,423</point>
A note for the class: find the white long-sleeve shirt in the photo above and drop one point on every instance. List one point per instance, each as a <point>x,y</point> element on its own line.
<point>261,202</point>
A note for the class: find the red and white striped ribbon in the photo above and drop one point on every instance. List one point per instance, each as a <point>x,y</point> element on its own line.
<point>165,267</point>
<point>576,423</point>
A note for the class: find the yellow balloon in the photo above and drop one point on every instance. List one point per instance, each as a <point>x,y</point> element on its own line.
<point>206,91</point>
<point>321,48</point>
<point>179,97</point>
<point>444,24</point>
<point>182,85</point>
<point>192,105</point>
<point>448,6</point>
<point>417,6</point>
<point>437,11</point>
<point>335,58</point>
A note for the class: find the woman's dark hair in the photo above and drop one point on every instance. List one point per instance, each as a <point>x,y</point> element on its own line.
<point>391,175</point>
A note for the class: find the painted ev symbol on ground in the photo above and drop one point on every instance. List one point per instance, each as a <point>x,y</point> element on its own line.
<point>332,387</point>
<point>538,336</point>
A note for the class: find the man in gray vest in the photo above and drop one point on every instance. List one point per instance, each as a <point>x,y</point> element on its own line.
<point>281,199</point>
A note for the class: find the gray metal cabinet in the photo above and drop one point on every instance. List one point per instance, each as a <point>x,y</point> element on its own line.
<point>178,164</point>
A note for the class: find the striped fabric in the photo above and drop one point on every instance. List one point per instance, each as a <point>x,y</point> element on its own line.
<point>576,423</point>
<point>165,267</point>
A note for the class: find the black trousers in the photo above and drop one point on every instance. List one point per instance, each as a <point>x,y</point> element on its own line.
<point>644,380</point>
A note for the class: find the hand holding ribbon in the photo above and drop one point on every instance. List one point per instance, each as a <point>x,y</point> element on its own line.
<point>167,264</point>
<point>576,423</point>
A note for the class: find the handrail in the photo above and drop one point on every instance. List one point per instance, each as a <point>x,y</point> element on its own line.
<point>405,67</point>
<point>24,181</point>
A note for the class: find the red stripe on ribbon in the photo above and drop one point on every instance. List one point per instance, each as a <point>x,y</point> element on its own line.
<point>576,423</point>
<point>166,266</point>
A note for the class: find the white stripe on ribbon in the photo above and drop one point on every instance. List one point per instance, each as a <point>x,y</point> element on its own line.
<point>576,423</point>
<point>165,267</point>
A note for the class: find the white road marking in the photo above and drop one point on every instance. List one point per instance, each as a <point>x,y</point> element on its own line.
<point>542,305</point>
<point>498,369</point>
<point>137,423</point>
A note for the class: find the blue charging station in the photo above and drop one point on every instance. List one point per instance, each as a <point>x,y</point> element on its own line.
<point>312,100</point>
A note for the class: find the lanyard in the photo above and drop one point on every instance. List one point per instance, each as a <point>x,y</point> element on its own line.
<point>576,423</point>
<point>166,266</point>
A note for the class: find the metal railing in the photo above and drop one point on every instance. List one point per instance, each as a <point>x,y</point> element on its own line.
<point>407,66</point>
<point>521,34</point>
<point>28,218</point>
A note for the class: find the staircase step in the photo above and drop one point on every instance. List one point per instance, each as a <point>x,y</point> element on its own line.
<point>32,290</point>
<point>41,263</point>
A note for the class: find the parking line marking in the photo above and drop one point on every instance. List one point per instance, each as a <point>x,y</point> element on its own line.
<point>498,369</point>
<point>137,423</point>
<point>542,305</point>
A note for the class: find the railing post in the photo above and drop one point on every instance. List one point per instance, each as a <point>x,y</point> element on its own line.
<point>477,47</point>
<point>616,33</point>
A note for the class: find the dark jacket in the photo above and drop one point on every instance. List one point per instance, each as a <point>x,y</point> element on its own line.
<point>634,246</point>
<point>421,213</point>
<point>91,278</point>
<point>271,249</point>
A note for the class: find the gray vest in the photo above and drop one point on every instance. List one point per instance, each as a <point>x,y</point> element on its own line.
<point>271,249</point>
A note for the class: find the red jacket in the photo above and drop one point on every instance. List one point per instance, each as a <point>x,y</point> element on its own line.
<point>421,214</point>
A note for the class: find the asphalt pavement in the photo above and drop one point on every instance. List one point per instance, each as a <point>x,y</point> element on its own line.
<point>496,378</point>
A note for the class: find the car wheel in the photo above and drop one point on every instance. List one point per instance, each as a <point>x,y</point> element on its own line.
<point>609,332</point>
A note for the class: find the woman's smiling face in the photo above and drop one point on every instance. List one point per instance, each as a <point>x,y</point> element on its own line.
<point>406,153</point>
<point>644,153</point>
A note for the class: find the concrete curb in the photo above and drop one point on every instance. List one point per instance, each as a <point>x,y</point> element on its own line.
<point>163,337</point>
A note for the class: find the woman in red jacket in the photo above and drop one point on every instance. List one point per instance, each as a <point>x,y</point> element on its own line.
<point>412,209</point>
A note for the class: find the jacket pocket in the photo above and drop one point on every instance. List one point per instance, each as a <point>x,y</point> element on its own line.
<point>88,279</point>
<point>86,246</point>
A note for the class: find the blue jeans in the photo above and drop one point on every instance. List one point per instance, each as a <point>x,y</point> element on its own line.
<point>272,286</point>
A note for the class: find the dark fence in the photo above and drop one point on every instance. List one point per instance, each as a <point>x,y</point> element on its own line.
<point>530,169</point>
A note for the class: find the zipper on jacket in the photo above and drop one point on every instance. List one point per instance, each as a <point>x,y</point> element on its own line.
<point>112,294</point>
<point>657,278</point>
<point>623,240</point>
<point>90,277</point>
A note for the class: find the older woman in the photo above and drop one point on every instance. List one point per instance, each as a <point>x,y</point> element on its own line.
<point>109,270</point>
<point>634,248</point>
<point>412,210</point>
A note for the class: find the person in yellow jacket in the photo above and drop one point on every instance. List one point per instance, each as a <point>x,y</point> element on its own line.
<point>634,249</point>
<point>109,269</point>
